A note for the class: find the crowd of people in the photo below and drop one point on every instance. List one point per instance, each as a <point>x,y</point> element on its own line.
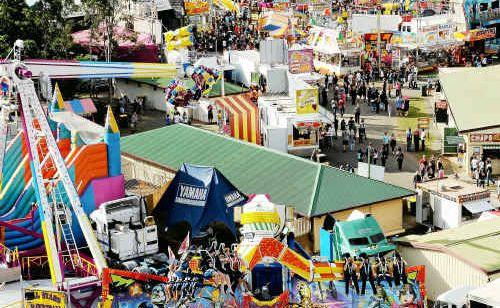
<point>227,32</point>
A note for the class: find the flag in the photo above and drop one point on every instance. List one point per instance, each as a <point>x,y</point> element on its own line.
<point>171,256</point>
<point>57,98</point>
<point>184,245</point>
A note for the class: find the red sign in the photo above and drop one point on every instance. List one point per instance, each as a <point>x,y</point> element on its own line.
<point>485,137</point>
<point>482,34</point>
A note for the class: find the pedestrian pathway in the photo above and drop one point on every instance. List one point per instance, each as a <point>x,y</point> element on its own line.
<point>377,124</point>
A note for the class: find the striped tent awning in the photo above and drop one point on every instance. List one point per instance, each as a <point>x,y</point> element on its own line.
<point>81,106</point>
<point>243,116</point>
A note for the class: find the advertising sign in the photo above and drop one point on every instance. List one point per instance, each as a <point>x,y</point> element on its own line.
<point>482,34</point>
<point>196,7</point>
<point>307,101</point>
<point>44,298</point>
<point>191,195</point>
<point>301,61</point>
<point>485,137</point>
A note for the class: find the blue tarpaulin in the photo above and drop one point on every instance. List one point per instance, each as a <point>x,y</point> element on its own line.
<point>199,196</point>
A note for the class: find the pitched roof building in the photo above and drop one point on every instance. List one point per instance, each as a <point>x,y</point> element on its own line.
<point>312,189</point>
<point>466,255</point>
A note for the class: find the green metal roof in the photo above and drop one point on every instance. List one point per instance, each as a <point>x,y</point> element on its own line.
<point>311,188</point>
<point>229,87</point>
<point>475,243</point>
<point>472,95</point>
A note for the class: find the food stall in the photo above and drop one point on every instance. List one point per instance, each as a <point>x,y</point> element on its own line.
<point>332,53</point>
<point>449,202</point>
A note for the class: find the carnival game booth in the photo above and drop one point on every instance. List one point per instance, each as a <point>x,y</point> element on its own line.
<point>243,116</point>
<point>334,53</point>
<point>197,196</point>
<point>448,203</point>
<point>432,36</point>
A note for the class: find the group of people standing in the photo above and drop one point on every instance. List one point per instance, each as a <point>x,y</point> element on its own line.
<point>428,169</point>
<point>374,273</point>
<point>482,171</point>
<point>417,138</point>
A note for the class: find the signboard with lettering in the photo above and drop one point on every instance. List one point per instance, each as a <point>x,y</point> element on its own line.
<point>191,195</point>
<point>482,34</point>
<point>307,101</point>
<point>301,61</point>
<point>44,298</point>
<point>494,137</point>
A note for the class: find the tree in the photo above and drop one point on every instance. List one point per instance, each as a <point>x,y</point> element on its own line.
<point>42,27</point>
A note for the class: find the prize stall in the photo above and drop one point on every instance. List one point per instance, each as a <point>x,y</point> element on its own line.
<point>333,53</point>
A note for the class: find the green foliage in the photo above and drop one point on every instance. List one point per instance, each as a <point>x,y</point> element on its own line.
<point>42,27</point>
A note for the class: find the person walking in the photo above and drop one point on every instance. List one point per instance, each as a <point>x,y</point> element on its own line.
<point>362,131</point>
<point>333,105</point>
<point>335,126</point>
<point>489,172</point>
<point>210,114</point>
<point>385,141</point>
<point>399,158</point>
<point>357,113</point>
<point>342,107</point>
<point>416,140</point>
<point>423,136</point>
<point>392,143</point>
<point>417,178</point>
<point>409,136</point>
<point>345,140</point>
<point>352,140</point>
<point>375,156</point>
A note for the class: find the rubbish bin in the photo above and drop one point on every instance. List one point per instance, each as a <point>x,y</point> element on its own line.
<point>424,90</point>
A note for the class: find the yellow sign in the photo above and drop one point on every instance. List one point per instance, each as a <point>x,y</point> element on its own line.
<point>307,101</point>
<point>35,298</point>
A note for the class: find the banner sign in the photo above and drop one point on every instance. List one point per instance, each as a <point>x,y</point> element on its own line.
<point>191,195</point>
<point>44,298</point>
<point>482,34</point>
<point>301,61</point>
<point>196,7</point>
<point>485,137</point>
<point>307,101</point>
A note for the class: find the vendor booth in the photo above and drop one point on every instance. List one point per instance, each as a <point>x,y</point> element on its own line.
<point>243,116</point>
<point>332,54</point>
<point>448,203</point>
<point>291,123</point>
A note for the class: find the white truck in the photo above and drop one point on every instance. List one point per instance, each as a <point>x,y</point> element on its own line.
<point>486,296</point>
<point>123,229</point>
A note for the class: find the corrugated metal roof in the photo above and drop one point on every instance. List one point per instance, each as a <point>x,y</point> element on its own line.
<point>474,243</point>
<point>312,189</point>
<point>472,95</point>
